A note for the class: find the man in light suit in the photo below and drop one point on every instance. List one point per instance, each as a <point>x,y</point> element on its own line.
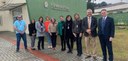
<point>106,31</point>
<point>89,26</point>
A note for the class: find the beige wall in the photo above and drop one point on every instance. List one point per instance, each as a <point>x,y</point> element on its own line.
<point>7,19</point>
<point>25,15</point>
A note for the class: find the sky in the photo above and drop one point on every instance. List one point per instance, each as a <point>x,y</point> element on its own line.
<point>110,1</point>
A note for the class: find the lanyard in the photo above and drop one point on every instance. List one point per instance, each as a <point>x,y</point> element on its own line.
<point>20,22</point>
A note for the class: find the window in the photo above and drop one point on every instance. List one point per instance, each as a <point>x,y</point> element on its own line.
<point>17,11</point>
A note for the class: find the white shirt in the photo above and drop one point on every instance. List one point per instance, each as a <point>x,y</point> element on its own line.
<point>89,21</point>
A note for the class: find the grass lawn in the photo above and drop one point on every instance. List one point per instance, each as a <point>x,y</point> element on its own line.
<point>120,45</point>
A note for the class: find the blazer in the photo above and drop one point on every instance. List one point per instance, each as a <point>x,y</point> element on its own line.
<point>40,29</point>
<point>77,26</point>
<point>93,26</point>
<point>109,28</point>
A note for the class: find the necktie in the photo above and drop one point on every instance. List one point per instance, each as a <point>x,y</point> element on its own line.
<point>89,22</point>
<point>103,18</point>
<point>103,24</point>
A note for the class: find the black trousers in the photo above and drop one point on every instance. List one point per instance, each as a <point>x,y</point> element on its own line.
<point>106,45</point>
<point>70,42</point>
<point>78,44</point>
<point>63,43</point>
<point>53,39</point>
<point>41,42</point>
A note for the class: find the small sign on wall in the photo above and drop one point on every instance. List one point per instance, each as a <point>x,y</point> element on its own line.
<point>55,6</point>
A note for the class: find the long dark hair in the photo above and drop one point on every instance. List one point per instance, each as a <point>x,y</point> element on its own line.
<point>70,17</point>
<point>40,18</point>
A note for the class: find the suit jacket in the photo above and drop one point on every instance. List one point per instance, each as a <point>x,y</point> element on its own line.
<point>92,27</point>
<point>40,29</point>
<point>77,26</point>
<point>109,28</point>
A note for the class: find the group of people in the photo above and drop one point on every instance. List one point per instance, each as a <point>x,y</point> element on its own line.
<point>70,31</point>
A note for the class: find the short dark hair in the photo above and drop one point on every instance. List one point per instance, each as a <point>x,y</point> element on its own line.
<point>103,10</point>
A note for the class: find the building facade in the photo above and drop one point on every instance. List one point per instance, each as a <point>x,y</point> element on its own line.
<point>9,9</point>
<point>55,8</point>
<point>33,9</point>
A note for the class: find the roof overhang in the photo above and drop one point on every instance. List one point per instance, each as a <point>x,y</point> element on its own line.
<point>10,6</point>
<point>113,8</point>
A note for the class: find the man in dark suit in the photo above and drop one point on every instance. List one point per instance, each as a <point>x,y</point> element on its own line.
<point>106,31</point>
<point>89,26</point>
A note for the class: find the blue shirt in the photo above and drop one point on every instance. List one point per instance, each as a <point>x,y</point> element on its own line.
<point>20,25</point>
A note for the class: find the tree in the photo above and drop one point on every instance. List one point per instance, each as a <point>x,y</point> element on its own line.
<point>103,4</point>
<point>90,5</point>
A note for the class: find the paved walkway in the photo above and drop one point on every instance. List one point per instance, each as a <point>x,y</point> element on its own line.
<point>7,52</point>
